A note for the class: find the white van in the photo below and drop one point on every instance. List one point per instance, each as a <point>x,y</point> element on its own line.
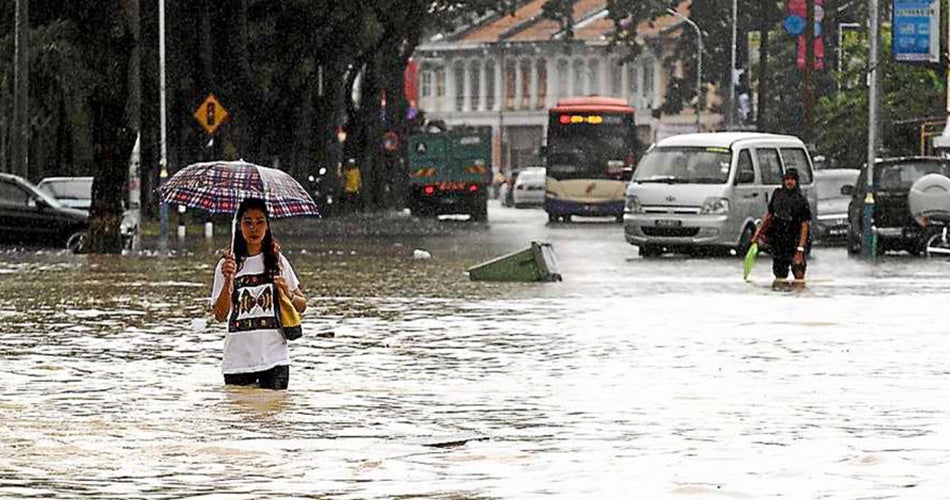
<point>709,190</point>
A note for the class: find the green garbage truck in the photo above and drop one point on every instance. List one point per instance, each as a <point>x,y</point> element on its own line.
<point>449,173</point>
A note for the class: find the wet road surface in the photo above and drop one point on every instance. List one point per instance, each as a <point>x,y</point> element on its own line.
<point>659,378</point>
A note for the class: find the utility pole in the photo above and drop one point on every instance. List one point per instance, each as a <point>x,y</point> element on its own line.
<point>20,144</point>
<point>808,73</point>
<point>163,164</point>
<point>731,118</point>
<point>869,248</point>
<point>135,98</point>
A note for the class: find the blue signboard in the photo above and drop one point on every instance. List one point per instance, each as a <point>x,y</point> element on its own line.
<point>916,31</point>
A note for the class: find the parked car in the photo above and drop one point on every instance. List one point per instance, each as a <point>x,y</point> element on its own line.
<point>831,214</point>
<point>529,187</point>
<point>72,192</point>
<point>29,216</point>
<point>76,192</point>
<point>892,221</point>
<point>707,191</point>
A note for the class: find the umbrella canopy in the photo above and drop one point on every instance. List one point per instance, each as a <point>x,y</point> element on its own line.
<point>218,187</point>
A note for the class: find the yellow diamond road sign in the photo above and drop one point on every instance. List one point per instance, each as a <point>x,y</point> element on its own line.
<point>211,114</point>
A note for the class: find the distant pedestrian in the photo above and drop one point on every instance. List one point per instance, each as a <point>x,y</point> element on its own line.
<point>352,187</point>
<point>244,294</point>
<point>785,227</point>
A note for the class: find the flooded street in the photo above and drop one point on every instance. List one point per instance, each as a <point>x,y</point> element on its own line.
<point>660,378</point>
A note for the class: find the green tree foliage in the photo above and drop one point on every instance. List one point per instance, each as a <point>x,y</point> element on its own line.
<point>907,98</point>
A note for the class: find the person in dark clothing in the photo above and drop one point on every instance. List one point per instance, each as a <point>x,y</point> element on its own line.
<point>785,226</point>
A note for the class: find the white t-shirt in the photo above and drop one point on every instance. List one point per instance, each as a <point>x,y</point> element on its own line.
<point>253,342</point>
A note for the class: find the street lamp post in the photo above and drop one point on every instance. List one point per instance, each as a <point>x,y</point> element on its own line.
<point>869,248</point>
<point>163,174</point>
<point>699,67</point>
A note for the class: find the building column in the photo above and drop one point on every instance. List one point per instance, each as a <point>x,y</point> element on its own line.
<point>605,74</point>
<point>467,86</point>
<point>499,84</point>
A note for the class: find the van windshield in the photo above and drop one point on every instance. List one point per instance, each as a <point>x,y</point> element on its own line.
<point>685,165</point>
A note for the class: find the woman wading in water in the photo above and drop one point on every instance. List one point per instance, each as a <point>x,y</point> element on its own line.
<point>244,295</point>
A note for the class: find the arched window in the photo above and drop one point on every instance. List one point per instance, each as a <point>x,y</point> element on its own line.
<point>648,78</point>
<point>578,73</point>
<point>525,84</point>
<point>510,70</point>
<point>459,72</point>
<point>593,76</point>
<point>542,89</point>
<point>563,79</point>
<point>439,86</point>
<point>489,84</point>
<point>475,77</point>
<point>633,82</point>
<point>616,78</point>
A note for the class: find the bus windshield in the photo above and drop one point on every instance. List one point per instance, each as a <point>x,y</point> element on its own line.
<point>685,165</point>
<point>595,150</point>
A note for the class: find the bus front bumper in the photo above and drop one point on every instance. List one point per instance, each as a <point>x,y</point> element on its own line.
<point>555,206</point>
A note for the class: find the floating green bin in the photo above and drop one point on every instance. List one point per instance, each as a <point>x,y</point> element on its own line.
<point>535,263</point>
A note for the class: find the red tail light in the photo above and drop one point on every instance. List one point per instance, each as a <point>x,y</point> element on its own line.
<point>473,188</point>
<point>428,189</point>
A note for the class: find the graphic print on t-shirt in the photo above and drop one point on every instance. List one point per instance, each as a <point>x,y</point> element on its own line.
<point>253,304</point>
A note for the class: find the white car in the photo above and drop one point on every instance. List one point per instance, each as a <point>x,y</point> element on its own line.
<point>76,192</point>
<point>529,187</point>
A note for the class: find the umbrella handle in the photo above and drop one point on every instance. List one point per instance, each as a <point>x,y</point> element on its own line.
<point>233,231</point>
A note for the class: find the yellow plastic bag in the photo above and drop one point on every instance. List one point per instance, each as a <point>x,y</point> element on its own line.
<point>288,317</point>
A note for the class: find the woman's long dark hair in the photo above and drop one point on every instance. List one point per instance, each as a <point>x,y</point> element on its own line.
<point>268,244</point>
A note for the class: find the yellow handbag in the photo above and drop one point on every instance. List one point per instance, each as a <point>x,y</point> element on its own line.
<point>287,317</point>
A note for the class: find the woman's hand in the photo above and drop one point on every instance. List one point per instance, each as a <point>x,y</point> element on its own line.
<point>281,283</point>
<point>229,268</point>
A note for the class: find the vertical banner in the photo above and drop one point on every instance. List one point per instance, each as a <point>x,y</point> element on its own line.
<point>916,31</point>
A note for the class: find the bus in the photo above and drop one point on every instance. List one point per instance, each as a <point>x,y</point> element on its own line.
<point>590,155</point>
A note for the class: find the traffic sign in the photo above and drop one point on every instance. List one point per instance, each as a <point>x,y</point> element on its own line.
<point>211,114</point>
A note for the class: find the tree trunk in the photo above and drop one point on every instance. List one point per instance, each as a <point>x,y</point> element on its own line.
<point>113,138</point>
<point>761,115</point>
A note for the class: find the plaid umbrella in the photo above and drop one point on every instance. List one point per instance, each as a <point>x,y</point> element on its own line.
<point>219,187</point>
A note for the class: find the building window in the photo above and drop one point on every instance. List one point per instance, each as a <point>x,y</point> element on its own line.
<point>593,76</point>
<point>509,86</point>
<point>425,77</point>
<point>633,82</point>
<point>489,84</point>
<point>459,70</point>
<point>616,78</point>
<point>563,81</point>
<point>578,73</point>
<point>648,78</point>
<point>475,76</point>
<point>525,84</point>
<point>439,86</point>
<point>542,89</point>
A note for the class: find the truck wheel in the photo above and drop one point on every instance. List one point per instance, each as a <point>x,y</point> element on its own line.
<point>552,217</point>
<point>481,212</point>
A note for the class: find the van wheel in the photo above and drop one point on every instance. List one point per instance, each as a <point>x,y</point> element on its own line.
<point>745,241</point>
<point>76,242</point>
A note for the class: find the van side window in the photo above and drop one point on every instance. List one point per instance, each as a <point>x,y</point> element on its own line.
<point>744,168</point>
<point>770,165</point>
<point>796,158</point>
